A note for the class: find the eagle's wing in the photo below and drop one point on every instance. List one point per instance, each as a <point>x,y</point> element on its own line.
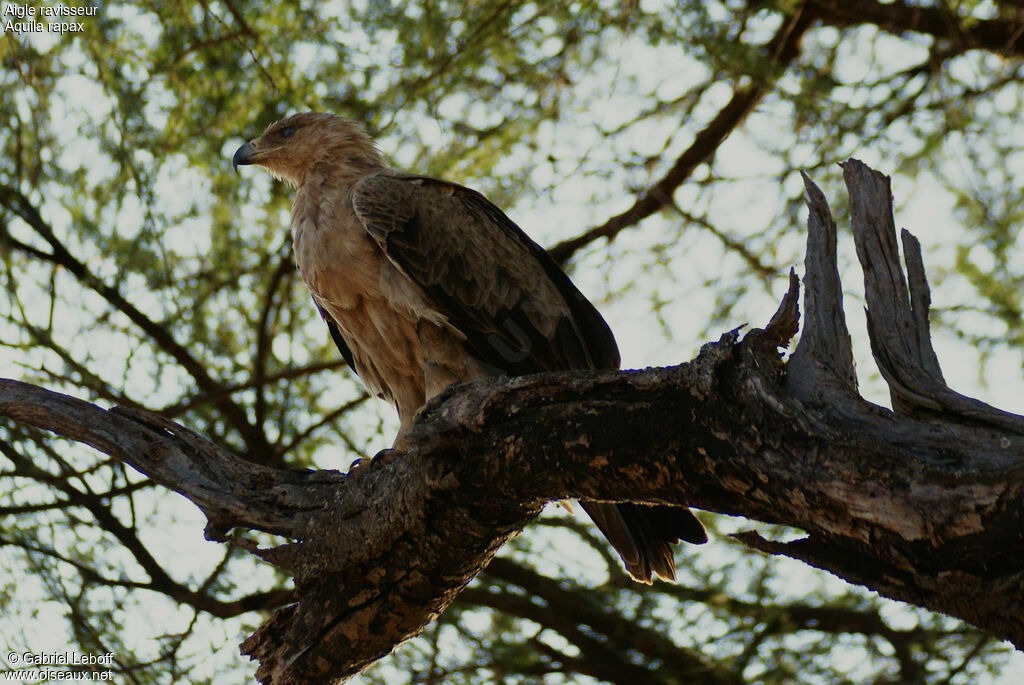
<point>346,351</point>
<point>519,312</point>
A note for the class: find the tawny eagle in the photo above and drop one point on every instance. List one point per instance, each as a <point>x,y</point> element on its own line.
<point>424,283</point>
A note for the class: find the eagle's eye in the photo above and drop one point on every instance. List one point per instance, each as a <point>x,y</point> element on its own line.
<point>288,132</point>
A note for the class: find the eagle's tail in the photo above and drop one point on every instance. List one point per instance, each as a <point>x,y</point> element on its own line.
<point>643,535</point>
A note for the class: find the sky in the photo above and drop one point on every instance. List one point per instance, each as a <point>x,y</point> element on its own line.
<point>645,337</point>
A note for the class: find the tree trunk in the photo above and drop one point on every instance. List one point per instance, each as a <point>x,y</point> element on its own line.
<point>923,504</point>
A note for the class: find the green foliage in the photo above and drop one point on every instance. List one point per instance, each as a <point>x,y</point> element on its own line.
<point>138,270</point>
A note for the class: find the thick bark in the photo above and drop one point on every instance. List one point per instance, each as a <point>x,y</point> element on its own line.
<point>923,504</point>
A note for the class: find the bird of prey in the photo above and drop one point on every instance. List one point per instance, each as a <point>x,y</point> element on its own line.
<point>424,283</point>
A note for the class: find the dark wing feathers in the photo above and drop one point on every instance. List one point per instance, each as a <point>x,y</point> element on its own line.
<point>343,347</point>
<point>602,350</point>
<point>520,314</point>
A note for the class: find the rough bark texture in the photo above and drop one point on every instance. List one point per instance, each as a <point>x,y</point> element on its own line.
<point>923,504</point>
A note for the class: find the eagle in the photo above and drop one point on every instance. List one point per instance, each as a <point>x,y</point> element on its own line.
<point>424,283</point>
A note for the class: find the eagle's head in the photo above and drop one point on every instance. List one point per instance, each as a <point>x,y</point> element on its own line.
<point>290,149</point>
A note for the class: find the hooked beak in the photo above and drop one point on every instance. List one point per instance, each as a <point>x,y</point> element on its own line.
<point>243,156</point>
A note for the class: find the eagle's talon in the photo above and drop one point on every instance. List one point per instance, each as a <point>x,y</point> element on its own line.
<point>383,458</point>
<point>362,466</point>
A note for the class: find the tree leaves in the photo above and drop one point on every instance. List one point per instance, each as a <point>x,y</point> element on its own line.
<point>564,113</point>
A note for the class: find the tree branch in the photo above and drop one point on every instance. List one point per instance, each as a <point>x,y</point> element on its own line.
<point>923,505</point>
<point>565,611</point>
<point>1004,35</point>
<point>19,205</point>
<point>898,323</point>
<point>782,49</point>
